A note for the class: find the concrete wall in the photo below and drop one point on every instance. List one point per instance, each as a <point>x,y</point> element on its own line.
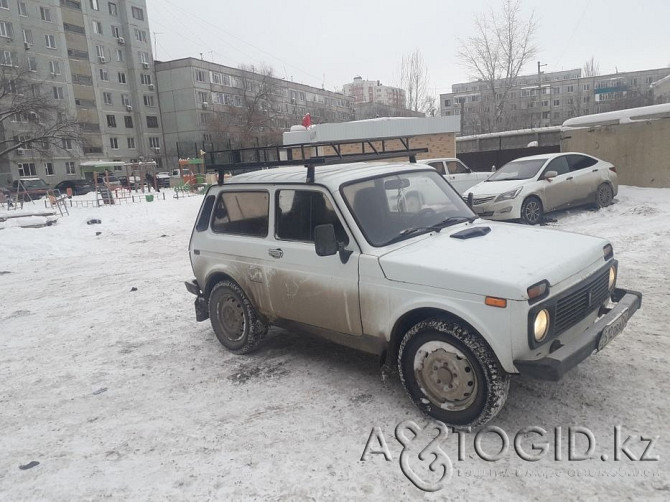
<point>640,150</point>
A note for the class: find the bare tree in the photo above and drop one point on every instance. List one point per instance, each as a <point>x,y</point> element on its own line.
<point>414,80</point>
<point>502,44</point>
<point>256,118</point>
<point>31,118</point>
<point>591,68</point>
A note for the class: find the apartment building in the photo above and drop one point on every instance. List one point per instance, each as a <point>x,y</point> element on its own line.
<point>210,106</point>
<point>549,100</point>
<point>95,58</point>
<point>372,91</point>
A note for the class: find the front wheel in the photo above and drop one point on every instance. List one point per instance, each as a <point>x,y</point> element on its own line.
<point>531,211</point>
<point>604,196</point>
<point>235,320</point>
<point>451,374</point>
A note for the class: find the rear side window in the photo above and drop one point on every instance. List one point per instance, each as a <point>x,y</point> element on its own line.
<point>456,167</point>
<point>205,213</point>
<point>299,211</point>
<point>578,162</point>
<point>438,166</point>
<point>242,213</point>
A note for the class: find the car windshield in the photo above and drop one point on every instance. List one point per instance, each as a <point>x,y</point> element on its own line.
<point>392,208</point>
<point>518,170</point>
<point>34,183</point>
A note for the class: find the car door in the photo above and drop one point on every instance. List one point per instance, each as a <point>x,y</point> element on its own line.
<point>586,177</point>
<point>460,176</point>
<point>319,291</point>
<point>558,191</point>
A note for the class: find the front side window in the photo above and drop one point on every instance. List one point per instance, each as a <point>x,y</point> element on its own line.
<point>393,208</point>
<point>299,211</point>
<point>559,164</point>
<point>242,213</point>
<point>455,167</point>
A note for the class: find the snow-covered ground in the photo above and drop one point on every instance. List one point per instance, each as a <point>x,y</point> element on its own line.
<point>108,382</point>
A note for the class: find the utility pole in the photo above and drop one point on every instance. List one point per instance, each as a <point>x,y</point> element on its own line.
<point>539,93</point>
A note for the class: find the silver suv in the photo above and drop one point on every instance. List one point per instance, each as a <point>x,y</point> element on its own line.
<point>389,259</point>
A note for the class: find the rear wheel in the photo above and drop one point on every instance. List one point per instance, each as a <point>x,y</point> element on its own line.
<point>604,195</point>
<point>451,374</point>
<point>235,320</point>
<point>531,211</point>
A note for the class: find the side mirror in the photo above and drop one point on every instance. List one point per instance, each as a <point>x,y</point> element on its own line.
<point>325,242</point>
<point>550,174</point>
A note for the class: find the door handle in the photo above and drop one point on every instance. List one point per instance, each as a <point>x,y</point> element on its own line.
<point>594,171</point>
<point>568,179</point>
<point>276,253</point>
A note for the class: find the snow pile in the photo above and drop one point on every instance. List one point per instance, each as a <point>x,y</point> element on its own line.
<point>110,384</point>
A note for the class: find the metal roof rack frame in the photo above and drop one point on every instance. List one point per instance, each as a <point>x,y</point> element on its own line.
<point>262,155</point>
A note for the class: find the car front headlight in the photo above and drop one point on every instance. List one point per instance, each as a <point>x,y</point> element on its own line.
<point>511,194</point>
<point>612,279</point>
<point>541,325</point>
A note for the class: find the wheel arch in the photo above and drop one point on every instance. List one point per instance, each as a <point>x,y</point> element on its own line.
<point>414,316</point>
<point>213,279</point>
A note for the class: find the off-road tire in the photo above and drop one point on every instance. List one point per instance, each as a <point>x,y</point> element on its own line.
<point>532,211</point>
<point>604,195</point>
<point>492,382</point>
<point>235,320</point>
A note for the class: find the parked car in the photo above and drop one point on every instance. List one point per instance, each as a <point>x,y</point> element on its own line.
<point>457,303</point>
<point>109,180</point>
<point>527,188</point>
<point>456,172</point>
<point>78,187</point>
<point>30,188</point>
<point>163,179</point>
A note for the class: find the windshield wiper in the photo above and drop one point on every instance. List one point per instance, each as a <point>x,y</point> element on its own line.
<point>452,220</point>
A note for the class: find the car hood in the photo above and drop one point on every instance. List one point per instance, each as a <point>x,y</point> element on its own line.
<point>502,263</point>
<point>495,187</point>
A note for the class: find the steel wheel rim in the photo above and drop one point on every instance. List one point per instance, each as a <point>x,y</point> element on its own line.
<point>231,315</point>
<point>604,195</point>
<point>445,376</point>
<point>532,211</point>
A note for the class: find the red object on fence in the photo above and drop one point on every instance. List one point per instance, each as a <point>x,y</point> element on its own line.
<point>307,120</point>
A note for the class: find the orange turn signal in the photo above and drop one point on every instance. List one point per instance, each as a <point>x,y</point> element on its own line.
<point>492,301</point>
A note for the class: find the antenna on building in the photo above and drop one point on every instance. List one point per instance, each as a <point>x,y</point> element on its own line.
<point>323,82</point>
<point>201,58</point>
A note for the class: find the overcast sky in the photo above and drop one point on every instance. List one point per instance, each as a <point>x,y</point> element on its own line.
<point>328,43</point>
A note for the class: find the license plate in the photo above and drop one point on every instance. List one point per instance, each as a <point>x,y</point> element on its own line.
<point>613,328</point>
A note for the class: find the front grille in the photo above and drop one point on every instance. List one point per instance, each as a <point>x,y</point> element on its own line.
<point>482,200</point>
<point>577,305</point>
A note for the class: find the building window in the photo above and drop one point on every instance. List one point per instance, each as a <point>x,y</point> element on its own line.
<point>48,169</point>
<point>104,75</point>
<point>69,167</point>
<point>571,88</point>
<point>6,29</point>
<point>149,101</point>
<point>6,59</point>
<point>203,97</point>
<point>94,5</point>
<point>27,169</point>
<point>131,143</point>
<point>22,9</point>
<point>125,100</point>
<point>67,144</point>
<point>122,77</point>
<point>27,36</point>
<point>215,78</point>
<point>143,56</point>
<point>50,41</point>
<point>586,99</point>
<point>54,67</point>
<point>199,76</point>
<point>32,63</point>
<point>119,55</point>
<point>112,9</point>
<point>137,13</point>
<point>58,93</point>
<point>152,121</point>
<point>111,121</point>
<point>128,121</point>
<point>97,27</point>
<point>586,87</point>
<point>154,142</point>
<point>107,98</point>
<point>114,143</point>
<point>45,14</point>
<point>116,32</point>
<point>140,35</point>
<point>145,79</point>
<point>100,51</point>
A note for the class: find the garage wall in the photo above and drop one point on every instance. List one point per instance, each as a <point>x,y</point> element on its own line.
<point>640,151</point>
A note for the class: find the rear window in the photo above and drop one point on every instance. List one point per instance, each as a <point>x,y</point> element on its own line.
<point>242,213</point>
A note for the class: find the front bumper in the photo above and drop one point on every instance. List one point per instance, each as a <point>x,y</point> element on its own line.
<point>201,306</point>
<point>565,357</point>
<point>491,210</point>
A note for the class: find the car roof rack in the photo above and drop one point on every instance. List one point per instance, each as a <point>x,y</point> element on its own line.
<point>269,156</point>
